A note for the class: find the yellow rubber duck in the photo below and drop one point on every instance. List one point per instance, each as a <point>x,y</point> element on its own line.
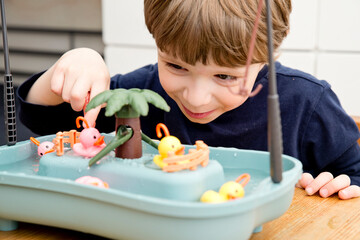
<point>167,144</point>
<point>211,196</point>
<point>228,191</point>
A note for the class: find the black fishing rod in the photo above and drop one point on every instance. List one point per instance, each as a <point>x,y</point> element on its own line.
<point>9,96</point>
<point>275,143</point>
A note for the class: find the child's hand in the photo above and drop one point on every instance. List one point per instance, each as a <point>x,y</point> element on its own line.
<point>327,185</point>
<point>76,73</point>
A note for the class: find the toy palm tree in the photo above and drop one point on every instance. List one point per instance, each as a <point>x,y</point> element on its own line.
<point>127,106</point>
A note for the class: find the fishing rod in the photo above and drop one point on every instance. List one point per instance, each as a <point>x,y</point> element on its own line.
<point>9,96</point>
<point>275,143</point>
<point>274,132</point>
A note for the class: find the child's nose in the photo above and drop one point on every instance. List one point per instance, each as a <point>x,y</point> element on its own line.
<point>197,95</point>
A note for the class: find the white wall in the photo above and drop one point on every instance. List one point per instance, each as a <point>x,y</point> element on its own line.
<point>324,40</point>
<point>128,44</point>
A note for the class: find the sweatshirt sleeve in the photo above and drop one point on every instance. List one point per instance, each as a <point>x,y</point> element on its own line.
<point>330,140</point>
<point>348,163</point>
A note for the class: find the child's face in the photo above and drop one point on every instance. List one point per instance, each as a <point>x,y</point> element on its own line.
<point>202,91</point>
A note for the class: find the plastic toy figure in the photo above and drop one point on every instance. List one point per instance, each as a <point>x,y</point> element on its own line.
<point>91,141</point>
<point>94,181</point>
<point>228,191</point>
<point>166,145</point>
<point>172,156</point>
<point>44,147</point>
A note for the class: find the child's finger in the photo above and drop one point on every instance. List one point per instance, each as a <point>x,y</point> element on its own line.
<point>97,88</point>
<point>57,81</point>
<point>349,192</point>
<point>321,180</point>
<point>338,183</point>
<point>306,179</point>
<point>79,93</point>
<point>68,86</point>
<point>92,115</point>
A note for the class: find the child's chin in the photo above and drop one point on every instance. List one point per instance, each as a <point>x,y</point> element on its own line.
<point>201,120</point>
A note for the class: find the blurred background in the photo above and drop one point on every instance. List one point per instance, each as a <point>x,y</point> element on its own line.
<point>323,41</point>
<point>39,32</point>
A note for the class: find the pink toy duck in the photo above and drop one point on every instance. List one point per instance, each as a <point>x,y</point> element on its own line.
<point>91,142</point>
<point>44,147</point>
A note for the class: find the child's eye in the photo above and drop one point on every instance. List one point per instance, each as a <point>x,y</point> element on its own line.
<point>225,77</point>
<point>175,66</point>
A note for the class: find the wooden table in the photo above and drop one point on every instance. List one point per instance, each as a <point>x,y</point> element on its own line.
<point>314,217</point>
<point>309,217</point>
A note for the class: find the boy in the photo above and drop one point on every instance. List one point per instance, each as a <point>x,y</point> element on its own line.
<point>202,51</point>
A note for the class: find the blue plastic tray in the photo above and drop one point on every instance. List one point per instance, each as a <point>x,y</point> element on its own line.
<point>118,214</point>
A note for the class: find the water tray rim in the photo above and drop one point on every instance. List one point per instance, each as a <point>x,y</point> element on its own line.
<point>150,204</point>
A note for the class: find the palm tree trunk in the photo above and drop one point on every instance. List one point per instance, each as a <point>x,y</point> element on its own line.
<point>132,148</point>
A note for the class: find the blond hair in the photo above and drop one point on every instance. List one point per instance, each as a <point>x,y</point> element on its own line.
<point>194,30</point>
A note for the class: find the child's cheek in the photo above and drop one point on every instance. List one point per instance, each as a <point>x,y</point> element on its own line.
<point>169,82</point>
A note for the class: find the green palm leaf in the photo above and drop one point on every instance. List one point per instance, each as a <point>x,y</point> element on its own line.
<point>138,103</point>
<point>155,99</point>
<point>128,103</point>
<point>116,103</point>
<point>99,99</point>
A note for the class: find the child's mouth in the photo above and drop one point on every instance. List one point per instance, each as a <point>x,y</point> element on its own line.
<point>197,115</point>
